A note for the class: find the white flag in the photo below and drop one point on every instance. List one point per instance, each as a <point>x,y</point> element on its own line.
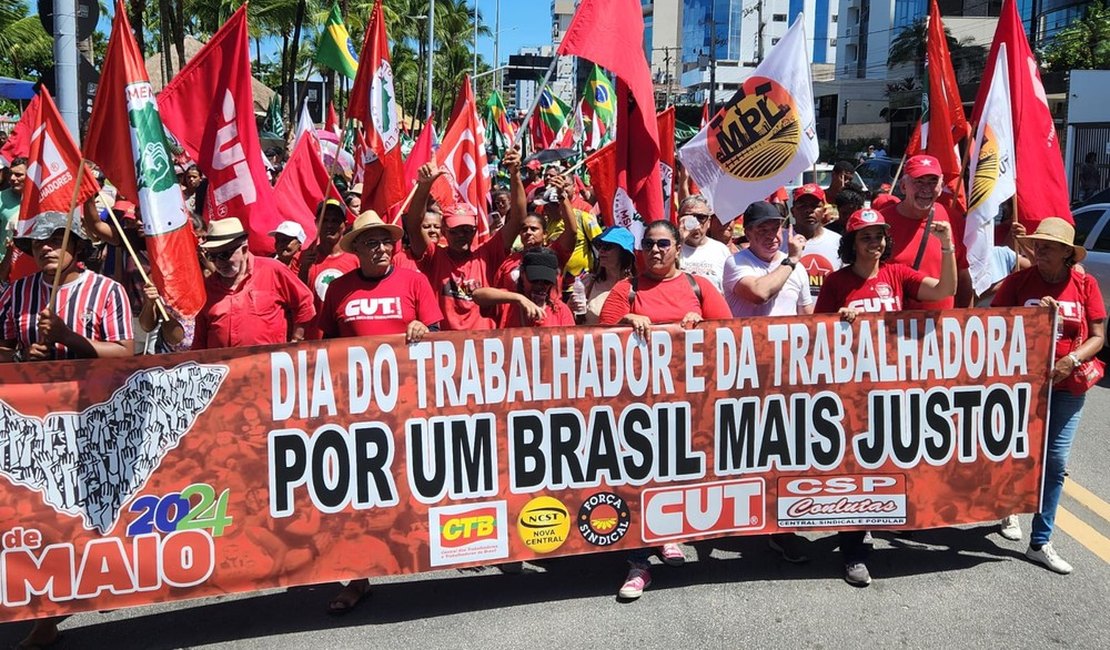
<point>991,176</point>
<point>304,125</point>
<point>764,136</point>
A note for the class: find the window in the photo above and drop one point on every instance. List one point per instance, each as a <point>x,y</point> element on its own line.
<point>1085,222</point>
<point>834,18</point>
<point>832,42</point>
<point>779,18</point>
<point>774,41</point>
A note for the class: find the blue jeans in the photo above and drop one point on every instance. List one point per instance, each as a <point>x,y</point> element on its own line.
<point>1064,411</point>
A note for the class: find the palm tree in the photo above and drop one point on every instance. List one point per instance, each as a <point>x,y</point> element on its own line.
<point>24,47</point>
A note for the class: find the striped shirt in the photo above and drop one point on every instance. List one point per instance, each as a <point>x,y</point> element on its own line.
<point>93,306</point>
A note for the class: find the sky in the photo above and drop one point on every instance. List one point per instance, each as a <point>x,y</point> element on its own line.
<point>524,23</point>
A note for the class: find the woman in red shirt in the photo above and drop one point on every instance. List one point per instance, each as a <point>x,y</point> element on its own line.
<point>662,294</point>
<point>867,283</point>
<point>1080,333</point>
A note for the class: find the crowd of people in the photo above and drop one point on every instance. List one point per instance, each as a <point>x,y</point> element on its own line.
<point>547,262</point>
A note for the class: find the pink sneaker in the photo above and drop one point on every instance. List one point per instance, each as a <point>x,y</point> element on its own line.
<point>638,579</point>
<point>672,555</point>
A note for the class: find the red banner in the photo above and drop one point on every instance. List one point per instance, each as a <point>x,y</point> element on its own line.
<point>182,476</point>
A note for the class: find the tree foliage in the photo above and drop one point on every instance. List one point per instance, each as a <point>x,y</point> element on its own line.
<point>1082,45</point>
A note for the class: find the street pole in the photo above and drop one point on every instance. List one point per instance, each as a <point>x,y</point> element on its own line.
<point>497,43</point>
<point>431,53</point>
<point>712,60</point>
<point>476,47</point>
<point>65,66</point>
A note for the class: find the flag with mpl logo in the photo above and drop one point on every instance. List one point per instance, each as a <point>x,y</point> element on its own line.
<point>762,137</point>
<point>125,110</point>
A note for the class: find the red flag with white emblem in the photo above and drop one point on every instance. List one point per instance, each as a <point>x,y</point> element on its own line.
<point>463,152</point>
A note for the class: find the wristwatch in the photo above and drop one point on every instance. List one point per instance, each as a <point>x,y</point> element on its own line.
<point>788,263</point>
<point>1075,359</point>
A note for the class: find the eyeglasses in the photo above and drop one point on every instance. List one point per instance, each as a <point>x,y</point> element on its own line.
<point>374,244</point>
<point>606,246</point>
<point>223,256</point>
<point>648,244</point>
<point>702,218</point>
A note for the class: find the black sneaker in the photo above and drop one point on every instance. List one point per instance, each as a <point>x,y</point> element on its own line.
<point>857,575</point>
<point>789,546</point>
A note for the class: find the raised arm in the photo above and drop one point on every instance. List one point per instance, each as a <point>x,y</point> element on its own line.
<point>518,199</point>
<point>414,215</point>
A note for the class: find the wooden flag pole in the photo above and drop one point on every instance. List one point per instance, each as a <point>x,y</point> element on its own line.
<point>135,257</point>
<point>898,174</point>
<point>53,303</point>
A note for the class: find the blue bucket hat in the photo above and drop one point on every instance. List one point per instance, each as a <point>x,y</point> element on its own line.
<point>620,236</point>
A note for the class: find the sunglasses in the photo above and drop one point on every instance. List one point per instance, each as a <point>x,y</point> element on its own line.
<point>702,218</point>
<point>606,246</point>
<point>223,256</point>
<point>374,244</point>
<point>648,244</point>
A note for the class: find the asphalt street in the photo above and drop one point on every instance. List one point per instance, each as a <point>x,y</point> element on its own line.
<point>961,587</point>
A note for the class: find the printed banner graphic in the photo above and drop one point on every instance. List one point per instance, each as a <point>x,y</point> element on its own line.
<point>152,479</point>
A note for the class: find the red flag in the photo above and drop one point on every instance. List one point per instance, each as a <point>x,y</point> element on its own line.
<point>602,165</point>
<point>1042,189</point>
<point>611,33</point>
<point>665,121</point>
<point>704,114</point>
<point>374,102</point>
<point>943,124</point>
<point>125,110</point>
<point>331,121</point>
<point>463,152</point>
<point>216,84</point>
<point>422,153</point>
<point>19,140</point>
<point>53,159</point>
<point>303,183</point>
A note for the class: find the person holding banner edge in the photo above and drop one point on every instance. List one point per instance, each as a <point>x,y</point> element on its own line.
<point>661,294</point>
<point>1054,282</point>
<point>868,283</point>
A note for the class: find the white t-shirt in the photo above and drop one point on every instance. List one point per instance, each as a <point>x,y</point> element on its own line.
<point>788,302</point>
<point>820,258</point>
<point>707,260</point>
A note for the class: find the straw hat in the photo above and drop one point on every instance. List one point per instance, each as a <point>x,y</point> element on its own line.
<point>222,232</point>
<point>367,221</point>
<point>1057,230</point>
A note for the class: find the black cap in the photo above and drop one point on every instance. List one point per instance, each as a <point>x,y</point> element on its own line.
<point>540,264</point>
<point>759,212</point>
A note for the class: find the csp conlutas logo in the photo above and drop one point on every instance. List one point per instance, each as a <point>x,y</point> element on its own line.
<point>383,106</point>
<point>758,133</point>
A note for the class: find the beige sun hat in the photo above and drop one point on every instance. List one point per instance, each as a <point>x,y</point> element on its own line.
<point>1057,230</point>
<point>367,221</point>
<point>222,232</point>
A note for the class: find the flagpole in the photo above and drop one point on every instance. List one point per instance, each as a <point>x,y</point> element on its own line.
<point>134,256</point>
<point>78,177</point>
<point>536,101</point>
<point>898,174</point>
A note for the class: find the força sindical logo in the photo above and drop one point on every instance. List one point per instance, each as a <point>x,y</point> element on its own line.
<point>603,519</point>
<point>758,132</point>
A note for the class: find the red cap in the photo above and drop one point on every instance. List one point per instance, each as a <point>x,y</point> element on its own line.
<point>778,196</point>
<point>922,165</point>
<point>533,164</point>
<point>460,214</point>
<point>861,219</point>
<point>883,200</point>
<point>810,189</point>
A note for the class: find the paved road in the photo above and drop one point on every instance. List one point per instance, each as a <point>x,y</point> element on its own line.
<point>963,587</point>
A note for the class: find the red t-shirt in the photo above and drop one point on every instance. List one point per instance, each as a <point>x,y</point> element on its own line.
<point>259,311</point>
<point>509,271</point>
<point>320,276</point>
<point>558,315</point>
<point>889,290</point>
<point>664,301</point>
<point>403,259</point>
<point>454,280</point>
<point>1079,296</point>
<point>358,306</point>
<point>907,233</point>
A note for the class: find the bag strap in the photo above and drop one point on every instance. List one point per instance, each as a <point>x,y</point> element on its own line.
<point>924,239</point>
<point>632,285</point>
<point>694,285</point>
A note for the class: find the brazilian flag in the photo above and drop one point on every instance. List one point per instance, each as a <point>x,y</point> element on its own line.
<point>334,48</point>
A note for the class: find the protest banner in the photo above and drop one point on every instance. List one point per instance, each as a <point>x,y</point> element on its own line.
<point>152,479</point>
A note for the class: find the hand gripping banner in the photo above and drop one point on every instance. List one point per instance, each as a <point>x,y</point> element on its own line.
<point>150,479</point>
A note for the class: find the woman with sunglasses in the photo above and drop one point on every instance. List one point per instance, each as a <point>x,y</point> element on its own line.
<point>661,295</point>
<point>616,261</point>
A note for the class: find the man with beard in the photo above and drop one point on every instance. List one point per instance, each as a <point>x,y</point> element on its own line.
<point>251,300</point>
<point>910,221</point>
<point>536,302</point>
<point>820,257</point>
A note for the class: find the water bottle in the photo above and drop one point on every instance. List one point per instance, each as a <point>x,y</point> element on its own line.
<point>578,289</point>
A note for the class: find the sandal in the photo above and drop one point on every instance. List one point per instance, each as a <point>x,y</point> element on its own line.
<point>349,597</point>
